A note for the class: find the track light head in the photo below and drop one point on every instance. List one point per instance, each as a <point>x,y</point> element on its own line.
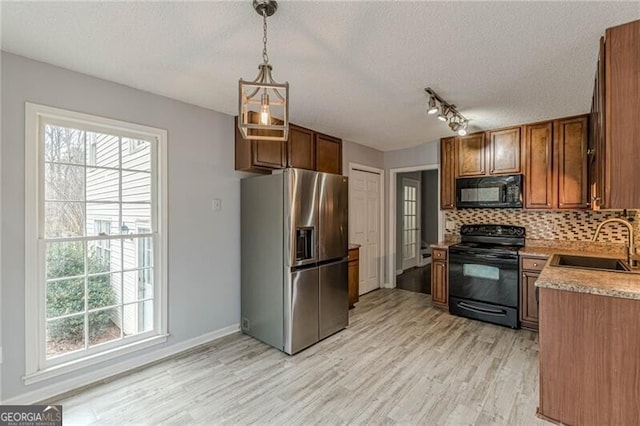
<point>433,108</point>
<point>462,130</point>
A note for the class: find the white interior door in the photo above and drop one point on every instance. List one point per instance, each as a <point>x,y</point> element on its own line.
<point>410,223</point>
<point>364,225</point>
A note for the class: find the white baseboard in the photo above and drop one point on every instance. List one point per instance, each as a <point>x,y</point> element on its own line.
<point>68,385</point>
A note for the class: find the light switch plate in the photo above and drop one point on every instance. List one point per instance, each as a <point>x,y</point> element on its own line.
<point>216,205</point>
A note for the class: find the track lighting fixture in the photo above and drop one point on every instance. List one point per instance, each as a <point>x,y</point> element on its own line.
<point>448,112</point>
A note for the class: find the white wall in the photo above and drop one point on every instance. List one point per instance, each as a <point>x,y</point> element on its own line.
<point>355,153</point>
<point>422,155</point>
<point>204,247</point>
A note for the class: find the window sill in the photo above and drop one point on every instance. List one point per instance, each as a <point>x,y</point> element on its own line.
<point>68,367</point>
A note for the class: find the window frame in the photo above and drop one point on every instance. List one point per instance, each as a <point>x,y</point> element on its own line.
<point>37,367</point>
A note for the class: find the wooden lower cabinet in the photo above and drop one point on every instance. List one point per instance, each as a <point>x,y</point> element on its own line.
<point>589,364</point>
<point>439,278</point>
<point>530,267</point>
<point>354,275</point>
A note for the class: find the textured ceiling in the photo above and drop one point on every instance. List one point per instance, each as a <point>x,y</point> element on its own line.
<point>356,69</point>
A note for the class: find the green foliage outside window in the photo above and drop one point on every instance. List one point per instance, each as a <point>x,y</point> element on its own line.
<point>67,260</point>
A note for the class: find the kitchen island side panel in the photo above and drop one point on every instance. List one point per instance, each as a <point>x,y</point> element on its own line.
<point>262,259</point>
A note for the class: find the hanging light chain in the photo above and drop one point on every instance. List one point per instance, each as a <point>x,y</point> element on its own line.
<point>265,56</point>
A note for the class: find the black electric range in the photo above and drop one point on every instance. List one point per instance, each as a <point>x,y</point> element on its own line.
<point>483,273</point>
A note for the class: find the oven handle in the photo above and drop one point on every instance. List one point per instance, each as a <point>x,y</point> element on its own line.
<point>499,313</point>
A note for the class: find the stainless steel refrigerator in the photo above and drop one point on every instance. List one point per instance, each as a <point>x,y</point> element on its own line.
<point>294,242</point>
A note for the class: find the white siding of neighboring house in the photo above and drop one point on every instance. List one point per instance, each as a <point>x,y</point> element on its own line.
<point>103,194</point>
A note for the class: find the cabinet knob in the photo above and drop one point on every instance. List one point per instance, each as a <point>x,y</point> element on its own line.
<point>535,264</point>
<point>591,151</point>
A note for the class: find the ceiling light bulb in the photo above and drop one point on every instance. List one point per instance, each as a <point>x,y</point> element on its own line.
<point>265,112</point>
<point>442,117</point>
<point>433,108</point>
<point>462,131</point>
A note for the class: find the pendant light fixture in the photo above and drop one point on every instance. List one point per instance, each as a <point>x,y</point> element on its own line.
<point>263,104</point>
<point>448,113</point>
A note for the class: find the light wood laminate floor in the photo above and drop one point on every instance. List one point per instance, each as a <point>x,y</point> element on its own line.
<point>400,361</point>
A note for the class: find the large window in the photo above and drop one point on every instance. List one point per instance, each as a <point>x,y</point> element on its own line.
<point>96,245</point>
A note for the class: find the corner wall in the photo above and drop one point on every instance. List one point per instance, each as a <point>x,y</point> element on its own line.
<point>204,247</point>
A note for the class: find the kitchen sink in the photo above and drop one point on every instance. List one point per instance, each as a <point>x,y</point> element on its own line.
<point>587,262</point>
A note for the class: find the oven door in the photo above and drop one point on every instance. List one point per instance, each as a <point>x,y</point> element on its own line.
<point>484,277</point>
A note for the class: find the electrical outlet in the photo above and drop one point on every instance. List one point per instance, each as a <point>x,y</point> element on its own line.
<point>216,205</point>
<point>245,324</point>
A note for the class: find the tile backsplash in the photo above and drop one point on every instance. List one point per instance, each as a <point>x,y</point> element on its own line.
<point>554,225</point>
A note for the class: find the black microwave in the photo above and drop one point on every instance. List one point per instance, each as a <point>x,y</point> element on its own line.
<point>489,192</point>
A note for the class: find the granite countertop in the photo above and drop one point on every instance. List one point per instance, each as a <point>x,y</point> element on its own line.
<point>353,246</point>
<point>443,244</point>
<point>603,283</point>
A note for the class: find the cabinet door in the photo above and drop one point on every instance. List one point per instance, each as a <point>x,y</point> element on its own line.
<point>504,151</point>
<point>301,153</point>
<point>539,187</point>
<point>622,115</point>
<point>270,154</point>
<point>471,155</point>
<point>257,156</point>
<point>354,266</point>
<point>571,142</point>
<point>328,154</point>
<point>599,197</point>
<point>529,300</point>
<point>439,285</point>
<point>447,173</point>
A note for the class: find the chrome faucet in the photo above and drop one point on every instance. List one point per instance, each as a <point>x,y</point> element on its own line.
<point>632,258</point>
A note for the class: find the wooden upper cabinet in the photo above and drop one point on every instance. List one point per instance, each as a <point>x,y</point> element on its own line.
<point>539,177</point>
<point>621,186</point>
<point>571,142</point>
<point>304,149</point>
<point>328,154</point>
<point>300,148</point>
<point>258,156</point>
<point>448,173</point>
<point>471,155</point>
<point>504,151</point>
